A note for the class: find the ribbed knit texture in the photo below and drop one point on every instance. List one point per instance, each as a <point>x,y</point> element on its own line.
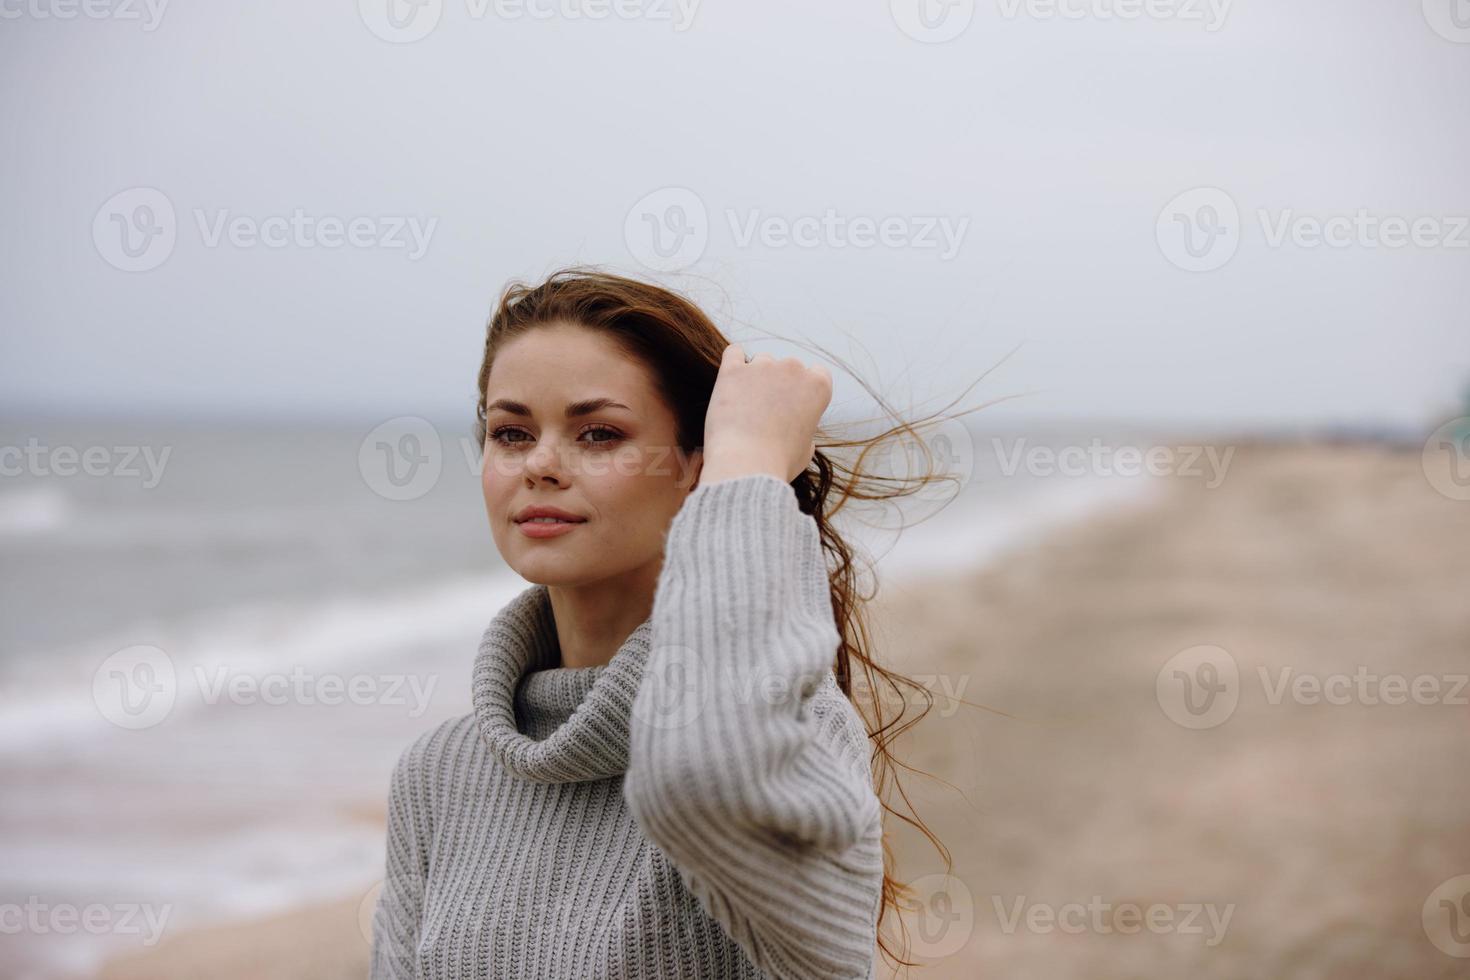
<point>701,806</point>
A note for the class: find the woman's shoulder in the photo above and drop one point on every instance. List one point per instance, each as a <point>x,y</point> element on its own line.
<point>424,762</point>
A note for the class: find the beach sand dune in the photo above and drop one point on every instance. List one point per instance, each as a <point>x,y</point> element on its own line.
<point>1324,826</point>
<point>1285,840</point>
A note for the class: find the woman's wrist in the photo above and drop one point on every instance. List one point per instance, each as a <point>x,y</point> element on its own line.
<point>734,467</point>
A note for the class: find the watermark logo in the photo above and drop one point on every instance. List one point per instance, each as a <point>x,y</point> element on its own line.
<point>1104,918</point>
<point>1206,463</point>
<point>298,686</point>
<point>1363,229</point>
<point>135,229</point>
<point>40,460</point>
<point>949,689</point>
<point>406,21</point>
<point>678,13</point>
<point>1450,19</point>
<point>1363,687</point>
<point>367,909</point>
<point>932,21</point>
<point>942,919</point>
<point>301,230</point>
<point>148,12</point>
<point>1199,230</point>
<point>138,687</point>
<point>401,21</point>
<point>670,229</point>
<point>1210,13</point>
<point>402,458</point>
<point>831,230</point>
<point>624,460</point>
<point>1446,459</point>
<point>1446,917</point>
<point>681,682</point>
<point>396,951</point>
<point>667,230</point>
<point>98,919</point>
<point>135,688</point>
<point>936,21</point>
<point>672,694</point>
<point>1199,687</point>
<point>946,449</point>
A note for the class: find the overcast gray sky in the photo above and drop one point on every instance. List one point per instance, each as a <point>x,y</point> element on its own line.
<point>929,187</point>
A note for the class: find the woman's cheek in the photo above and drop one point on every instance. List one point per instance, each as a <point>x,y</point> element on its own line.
<point>495,477</point>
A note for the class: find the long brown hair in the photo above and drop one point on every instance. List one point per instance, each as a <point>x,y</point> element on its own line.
<point>682,347</point>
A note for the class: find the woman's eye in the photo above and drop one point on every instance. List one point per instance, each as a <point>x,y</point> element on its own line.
<point>504,436</point>
<point>612,434</point>
<point>501,436</point>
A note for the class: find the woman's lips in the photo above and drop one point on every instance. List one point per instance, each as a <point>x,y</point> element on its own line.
<point>547,529</point>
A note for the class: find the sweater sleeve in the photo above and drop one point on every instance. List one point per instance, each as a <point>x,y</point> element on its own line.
<point>748,767</point>
<point>397,914</point>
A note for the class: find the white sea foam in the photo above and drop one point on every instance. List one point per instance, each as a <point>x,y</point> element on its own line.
<point>190,839</point>
<point>46,695</point>
<point>33,510</point>
<point>980,527</point>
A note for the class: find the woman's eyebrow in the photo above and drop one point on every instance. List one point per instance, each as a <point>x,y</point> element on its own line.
<point>585,407</point>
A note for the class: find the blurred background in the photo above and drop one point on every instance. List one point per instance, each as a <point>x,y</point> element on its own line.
<point>1201,584</point>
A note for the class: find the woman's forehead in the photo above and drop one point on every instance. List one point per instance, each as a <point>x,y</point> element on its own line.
<point>558,366</point>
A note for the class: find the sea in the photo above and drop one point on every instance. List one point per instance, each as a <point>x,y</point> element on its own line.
<point>217,636</point>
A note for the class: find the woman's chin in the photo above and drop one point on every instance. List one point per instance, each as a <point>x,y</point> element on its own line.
<point>551,570</point>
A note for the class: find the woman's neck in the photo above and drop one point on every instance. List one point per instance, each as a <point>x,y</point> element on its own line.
<point>593,621</point>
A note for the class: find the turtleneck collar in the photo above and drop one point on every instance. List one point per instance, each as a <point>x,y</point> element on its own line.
<point>548,723</point>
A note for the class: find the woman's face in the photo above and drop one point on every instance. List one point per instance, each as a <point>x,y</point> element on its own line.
<point>619,469</point>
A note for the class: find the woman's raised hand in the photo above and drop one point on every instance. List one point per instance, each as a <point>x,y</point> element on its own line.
<point>762,416</point>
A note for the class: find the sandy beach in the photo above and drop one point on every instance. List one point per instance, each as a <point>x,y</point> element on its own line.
<point>1299,835</point>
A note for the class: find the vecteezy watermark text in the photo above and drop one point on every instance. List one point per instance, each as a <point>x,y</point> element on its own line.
<point>937,21</point>
<point>299,686</point>
<point>407,21</point>
<point>1210,13</point>
<point>41,460</point>
<point>1205,462</point>
<point>1364,229</point>
<point>1200,687</point>
<point>669,229</point>
<point>136,230</point>
<point>403,458</point>
<point>1125,918</point>
<point>681,684</point>
<point>1201,229</point>
<point>944,915</point>
<point>302,230</point>
<point>148,12</point>
<point>838,231</point>
<point>96,918</point>
<point>137,687</point>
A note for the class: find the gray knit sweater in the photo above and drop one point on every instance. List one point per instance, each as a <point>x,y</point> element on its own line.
<point>700,806</point>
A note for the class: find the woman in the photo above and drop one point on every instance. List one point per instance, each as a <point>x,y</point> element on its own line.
<point>663,775</point>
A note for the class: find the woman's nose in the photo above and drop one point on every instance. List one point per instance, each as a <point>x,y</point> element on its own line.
<point>546,459</point>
